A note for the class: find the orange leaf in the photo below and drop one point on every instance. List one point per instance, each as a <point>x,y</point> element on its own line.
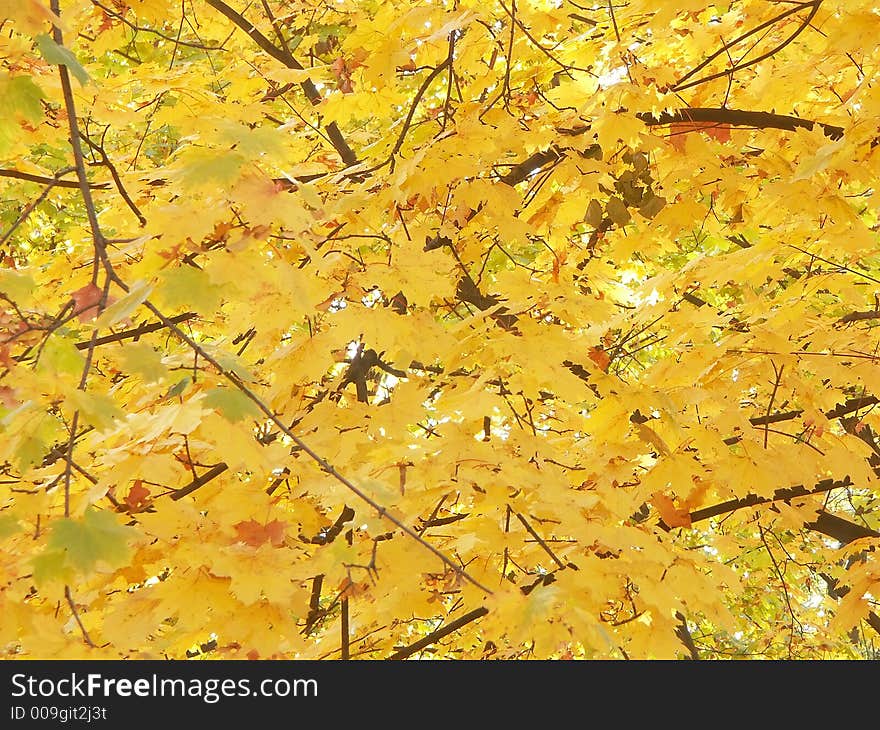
<point>254,534</point>
<point>85,302</point>
<point>673,516</point>
<point>678,130</point>
<point>138,496</point>
<point>600,357</point>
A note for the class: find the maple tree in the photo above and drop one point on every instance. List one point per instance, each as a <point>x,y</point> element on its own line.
<point>388,329</point>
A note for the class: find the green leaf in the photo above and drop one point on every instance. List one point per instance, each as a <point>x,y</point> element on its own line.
<point>178,388</point>
<point>34,439</point>
<point>16,285</point>
<point>200,167</point>
<point>30,450</point>
<point>96,538</point>
<point>50,566</point>
<point>61,56</point>
<point>60,356</point>
<point>234,364</point>
<point>232,404</point>
<point>189,288</point>
<point>97,409</point>
<point>20,96</point>
<point>125,306</point>
<point>8,526</point>
<point>142,359</point>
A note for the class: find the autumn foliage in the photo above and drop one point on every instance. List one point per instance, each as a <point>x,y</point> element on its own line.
<point>397,328</point>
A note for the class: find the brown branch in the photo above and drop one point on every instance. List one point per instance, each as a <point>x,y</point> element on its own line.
<point>680,85</point>
<point>345,651</point>
<point>312,94</point>
<point>840,529</point>
<point>136,332</point>
<point>859,316</point>
<point>98,243</point>
<point>774,418</point>
<point>85,634</point>
<point>731,117</point>
<point>119,16</point>
<point>539,540</point>
<point>843,409</point>
<point>739,118</point>
<point>195,484</point>
<point>440,521</point>
<point>828,524</point>
<point>415,102</point>
<point>42,179</point>
<point>304,447</point>
<point>752,500</point>
<point>315,611</point>
<point>435,636</point>
<point>29,208</point>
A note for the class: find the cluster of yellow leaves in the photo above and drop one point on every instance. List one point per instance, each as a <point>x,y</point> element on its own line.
<point>539,328</point>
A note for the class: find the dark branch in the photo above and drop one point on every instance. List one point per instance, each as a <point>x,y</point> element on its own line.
<point>195,484</point>
<point>859,316</point>
<point>752,500</point>
<point>732,117</point>
<point>435,636</point>
<point>280,54</point>
<point>18,175</point>
<point>136,332</point>
<point>840,529</point>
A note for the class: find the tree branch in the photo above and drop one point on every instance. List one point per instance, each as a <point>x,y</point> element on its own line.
<point>680,85</point>
<point>684,636</point>
<point>435,636</point>
<point>279,54</point>
<point>212,473</point>
<point>54,182</point>
<point>136,332</point>
<point>752,500</point>
<point>732,117</point>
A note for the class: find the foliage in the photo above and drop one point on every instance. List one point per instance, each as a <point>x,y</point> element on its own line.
<point>528,328</point>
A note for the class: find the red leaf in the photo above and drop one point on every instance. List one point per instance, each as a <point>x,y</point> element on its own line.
<point>85,302</point>
<point>6,356</point>
<point>7,396</point>
<point>678,130</point>
<point>138,496</point>
<point>600,357</point>
<point>254,534</point>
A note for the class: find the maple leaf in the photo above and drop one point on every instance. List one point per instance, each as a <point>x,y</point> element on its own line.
<point>255,534</point>
<point>82,545</point>
<point>231,403</point>
<point>600,357</point>
<point>670,514</point>
<point>85,302</point>
<point>665,324</point>
<point>138,496</point>
<point>679,130</point>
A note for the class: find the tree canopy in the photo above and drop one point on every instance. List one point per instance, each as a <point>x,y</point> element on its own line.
<point>452,329</point>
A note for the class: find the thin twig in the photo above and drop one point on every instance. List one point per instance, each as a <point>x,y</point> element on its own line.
<point>85,634</point>
<point>29,208</point>
<point>539,540</point>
